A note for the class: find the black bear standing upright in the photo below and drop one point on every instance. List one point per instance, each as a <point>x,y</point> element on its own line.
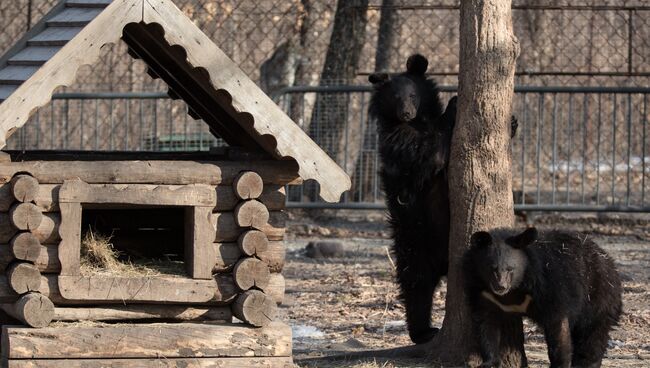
<point>414,140</point>
<point>564,282</point>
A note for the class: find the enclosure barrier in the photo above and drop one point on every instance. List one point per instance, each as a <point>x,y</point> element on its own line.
<point>576,149</point>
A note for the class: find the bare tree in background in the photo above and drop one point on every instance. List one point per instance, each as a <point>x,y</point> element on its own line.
<point>341,65</point>
<point>387,37</point>
<point>480,179</point>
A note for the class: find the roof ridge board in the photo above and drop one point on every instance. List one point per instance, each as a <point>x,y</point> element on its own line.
<point>269,121</point>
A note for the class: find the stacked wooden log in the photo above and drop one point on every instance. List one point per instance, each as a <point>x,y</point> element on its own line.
<point>252,271</point>
<point>20,229</point>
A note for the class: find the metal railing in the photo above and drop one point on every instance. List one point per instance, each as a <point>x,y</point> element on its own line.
<point>576,149</point>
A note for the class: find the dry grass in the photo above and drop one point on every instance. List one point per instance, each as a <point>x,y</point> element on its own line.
<point>99,256</point>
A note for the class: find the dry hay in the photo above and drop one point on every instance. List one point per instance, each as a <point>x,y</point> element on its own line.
<point>99,256</point>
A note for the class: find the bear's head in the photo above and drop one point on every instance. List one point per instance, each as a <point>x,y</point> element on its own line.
<point>499,258</point>
<point>400,96</point>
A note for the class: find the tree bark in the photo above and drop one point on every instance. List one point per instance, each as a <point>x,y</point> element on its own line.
<point>480,162</point>
<point>387,37</point>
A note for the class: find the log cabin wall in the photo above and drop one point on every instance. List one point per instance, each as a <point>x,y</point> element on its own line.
<point>239,221</point>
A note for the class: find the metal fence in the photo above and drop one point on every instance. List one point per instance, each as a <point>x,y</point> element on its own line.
<point>576,149</point>
<point>577,42</point>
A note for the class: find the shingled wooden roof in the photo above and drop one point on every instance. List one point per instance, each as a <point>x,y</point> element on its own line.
<point>175,50</point>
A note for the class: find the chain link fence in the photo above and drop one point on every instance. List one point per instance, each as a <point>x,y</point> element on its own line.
<point>114,105</point>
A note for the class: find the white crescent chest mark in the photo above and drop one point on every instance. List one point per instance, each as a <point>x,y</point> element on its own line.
<point>513,308</point>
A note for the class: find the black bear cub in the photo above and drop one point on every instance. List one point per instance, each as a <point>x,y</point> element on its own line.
<point>563,282</point>
<point>414,139</point>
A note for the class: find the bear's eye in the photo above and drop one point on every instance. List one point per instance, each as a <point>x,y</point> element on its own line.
<point>510,269</point>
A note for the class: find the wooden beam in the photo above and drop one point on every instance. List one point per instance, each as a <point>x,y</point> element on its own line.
<point>23,277</point>
<point>145,289</point>
<point>241,362</point>
<point>47,199</point>
<point>255,308</point>
<point>70,233</point>
<point>46,233</point>
<point>228,231</point>
<point>252,241</point>
<point>248,185</point>
<point>251,213</point>
<point>199,236</point>
<point>182,340</point>
<point>25,246</point>
<point>47,261</point>
<point>32,309</point>
<point>25,216</point>
<point>142,311</point>
<point>139,194</point>
<point>223,287</point>
<point>150,172</point>
<point>251,272</point>
<point>24,188</point>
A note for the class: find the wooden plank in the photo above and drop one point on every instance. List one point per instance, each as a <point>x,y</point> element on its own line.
<point>47,198</point>
<point>148,172</point>
<point>54,36</point>
<point>142,311</point>
<point>33,55</point>
<point>227,230</point>
<point>74,17</point>
<point>46,233</point>
<point>145,289</point>
<point>182,340</point>
<point>199,235</point>
<point>70,233</point>
<point>6,91</point>
<point>154,195</point>
<point>224,291</point>
<point>87,3</point>
<point>268,362</point>
<point>245,102</point>
<point>16,74</point>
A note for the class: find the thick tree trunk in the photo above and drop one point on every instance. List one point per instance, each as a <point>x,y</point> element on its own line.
<point>479,166</point>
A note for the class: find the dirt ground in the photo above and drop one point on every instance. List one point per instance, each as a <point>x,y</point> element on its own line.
<point>350,303</point>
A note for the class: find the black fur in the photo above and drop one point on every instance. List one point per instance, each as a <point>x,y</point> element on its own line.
<point>569,279</point>
<point>414,140</point>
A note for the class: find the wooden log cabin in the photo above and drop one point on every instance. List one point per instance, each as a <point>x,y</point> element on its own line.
<point>220,213</point>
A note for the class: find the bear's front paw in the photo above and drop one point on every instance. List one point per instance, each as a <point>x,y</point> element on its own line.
<point>422,336</point>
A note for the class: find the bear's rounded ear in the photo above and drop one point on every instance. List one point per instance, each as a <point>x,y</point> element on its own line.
<point>378,78</point>
<point>417,64</point>
<point>480,239</point>
<point>524,239</point>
